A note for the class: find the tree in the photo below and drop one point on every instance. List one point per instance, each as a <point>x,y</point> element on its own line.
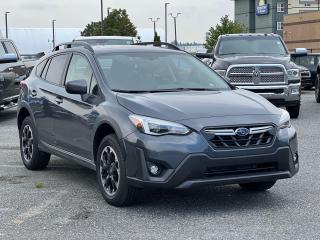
<point>116,24</point>
<point>157,39</point>
<point>226,26</point>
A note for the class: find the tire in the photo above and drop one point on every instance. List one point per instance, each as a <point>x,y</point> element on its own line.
<point>294,111</point>
<point>110,165</point>
<point>317,89</point>
<point>31,156</point>
<point>258,186</point>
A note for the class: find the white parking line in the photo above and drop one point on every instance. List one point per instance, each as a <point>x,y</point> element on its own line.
<point>37,210</point>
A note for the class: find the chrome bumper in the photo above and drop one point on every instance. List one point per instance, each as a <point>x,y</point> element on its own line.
<point>289,93</point>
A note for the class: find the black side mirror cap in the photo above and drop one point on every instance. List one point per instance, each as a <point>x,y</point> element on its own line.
<point>9,58</point>
<point>205,55</point>
<point>77,87</point>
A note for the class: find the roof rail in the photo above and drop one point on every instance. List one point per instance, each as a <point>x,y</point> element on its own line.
<point>159,44</point>
<point>72,45</point>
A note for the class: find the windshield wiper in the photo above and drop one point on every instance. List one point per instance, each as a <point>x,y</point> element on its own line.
<point>233,53</point>
<point>184,89</point>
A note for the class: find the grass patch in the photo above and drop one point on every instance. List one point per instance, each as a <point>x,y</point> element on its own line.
<point>39,185</point>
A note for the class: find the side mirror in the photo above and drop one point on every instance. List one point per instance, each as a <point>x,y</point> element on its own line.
<point>205,55</point>
<point>9,58</point>
<point>77,87</point>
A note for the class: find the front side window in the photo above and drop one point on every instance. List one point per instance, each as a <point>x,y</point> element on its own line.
<point>280,7</point>
<point>158,71</point>
<point>2,51</point>
<point>56,68</point>
<point>10,48</point>
<point>253,45</point>
<point>79,69</point>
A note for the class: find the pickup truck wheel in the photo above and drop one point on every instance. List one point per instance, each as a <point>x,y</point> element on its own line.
<point>317,89</point>
<point>294,111</point>
<point>258,186</point>
<point>32,157</point>
<point>111,173</point>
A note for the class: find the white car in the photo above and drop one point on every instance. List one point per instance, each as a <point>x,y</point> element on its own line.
<point>107,40</point>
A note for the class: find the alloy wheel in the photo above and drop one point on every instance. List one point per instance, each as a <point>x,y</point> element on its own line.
<point>109,171</point>
<point>27,143</point>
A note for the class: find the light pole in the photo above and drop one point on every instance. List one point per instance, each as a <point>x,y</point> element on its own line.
<point>101,25</point>
<point>166,20</point>
<point>154,24</point>
<point>6,19</point>
<point>53,34</point>
<point>175,26</point>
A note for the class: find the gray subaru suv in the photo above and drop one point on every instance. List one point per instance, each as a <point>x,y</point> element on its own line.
<point>151,117</point>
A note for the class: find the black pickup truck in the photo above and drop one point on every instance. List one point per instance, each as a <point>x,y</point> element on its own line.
<point>262,64</point>
<point>12,71</point>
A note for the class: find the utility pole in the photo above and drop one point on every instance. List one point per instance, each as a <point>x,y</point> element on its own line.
<point>101,25</point>
<point>53,34</point>
<point>166,20</point>
<point>6,19</point>
<point>154,24</point>
<point>175,27</point>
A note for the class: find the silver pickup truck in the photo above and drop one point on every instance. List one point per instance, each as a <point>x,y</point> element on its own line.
<point>12,71</point>
<point>262,64</point>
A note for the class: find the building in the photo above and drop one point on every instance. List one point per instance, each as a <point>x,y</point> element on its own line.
<point>301,6</point>
<point>261,16</point>
<point>302,30</point>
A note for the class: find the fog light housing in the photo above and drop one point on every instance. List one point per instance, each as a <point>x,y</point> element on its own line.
<point>154,169</point>
<point>295,91</point>
<point>296,160</point>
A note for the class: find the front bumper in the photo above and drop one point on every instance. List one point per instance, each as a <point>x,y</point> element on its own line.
<point>193,162</point>
<point>280,95</point>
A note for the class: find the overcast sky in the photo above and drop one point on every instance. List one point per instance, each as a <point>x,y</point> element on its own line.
<point>196,18</point>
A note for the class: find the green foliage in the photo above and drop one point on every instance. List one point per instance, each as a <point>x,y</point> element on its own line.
<point>116,24</point>
<point>157,38</point>
<point>226,26</point>
<point>39,185</point>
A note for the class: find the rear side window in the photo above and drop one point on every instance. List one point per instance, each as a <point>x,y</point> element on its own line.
<point>40,68</point>
<point>56,69</point>
<point>10,48</point>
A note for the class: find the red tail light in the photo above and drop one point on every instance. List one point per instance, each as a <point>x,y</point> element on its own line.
<point>22,85</point>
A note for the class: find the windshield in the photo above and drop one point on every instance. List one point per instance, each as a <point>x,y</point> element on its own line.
<point>251,46</point>
<point>102,42</point>
<point>306,60</point>
<point>163,71</point>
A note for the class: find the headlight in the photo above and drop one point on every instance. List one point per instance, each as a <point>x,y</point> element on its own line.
<point>293,74</point>
<point>222,73</point>
<point>157,127</point>
<point>284,120</point>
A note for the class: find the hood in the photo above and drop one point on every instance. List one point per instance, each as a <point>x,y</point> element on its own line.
<point>175,106</point>
<point>225,62</point>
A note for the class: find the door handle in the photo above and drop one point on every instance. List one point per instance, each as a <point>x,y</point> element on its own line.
<point>33,93</point>
<point>59,100</point>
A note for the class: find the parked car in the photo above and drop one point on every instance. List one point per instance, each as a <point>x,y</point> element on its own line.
<point>12,71</point>
<point>311,62</point>
<point>305,74</point>
<point>260,63</point>
<point>107,40</point>
<point>149,117</point>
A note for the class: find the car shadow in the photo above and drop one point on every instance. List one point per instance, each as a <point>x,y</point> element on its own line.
<point>201,200</point>
<point>8,115</point>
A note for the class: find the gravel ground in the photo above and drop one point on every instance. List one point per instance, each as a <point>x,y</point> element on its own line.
<point>67,204</point>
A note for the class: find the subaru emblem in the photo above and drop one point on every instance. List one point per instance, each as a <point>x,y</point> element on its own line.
<point>242,132</point>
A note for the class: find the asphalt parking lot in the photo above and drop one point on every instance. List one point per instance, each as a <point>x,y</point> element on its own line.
<point>63,202</point>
